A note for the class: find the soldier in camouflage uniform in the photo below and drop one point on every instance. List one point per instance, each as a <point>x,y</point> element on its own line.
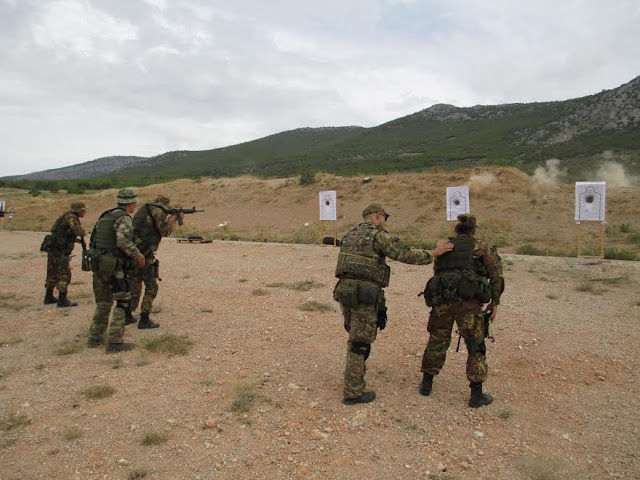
<point>63,236</point>
<point>363,274</point>
<point>463,281</point>
<point>150,224</point>
<point>112,237</point>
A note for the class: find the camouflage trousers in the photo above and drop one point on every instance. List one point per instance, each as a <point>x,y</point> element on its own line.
<point>362,324</point>
<point>103,290</point>
<point>58,271</point>
<point>147,274</point>
<point>468,318</point>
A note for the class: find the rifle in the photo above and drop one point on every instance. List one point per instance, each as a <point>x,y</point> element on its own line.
<point>85,263</point>
<point>486,316</point>
<point>178,211</point>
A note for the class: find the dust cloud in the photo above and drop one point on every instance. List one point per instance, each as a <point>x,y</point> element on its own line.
<point>550,174</point>
<point>480,183</point>
<point>613,173</point>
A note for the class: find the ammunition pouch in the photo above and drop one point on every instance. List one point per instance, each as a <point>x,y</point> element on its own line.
<point>47,243</point>
<point>363,268</point>
<point>346,294</point>
<point>86,261</point>
<point>107,265</point>
<point>447,287</point>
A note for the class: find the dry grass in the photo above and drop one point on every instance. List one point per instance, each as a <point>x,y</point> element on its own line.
<point>98,392</point>
<point>7,342</point>
<point>260,292</point>
<point>168,344</point>
<point>245,397</point>
<point>313,306</point>
<point>72,433</point>
<point>13,420</point>
<point>150,439</point>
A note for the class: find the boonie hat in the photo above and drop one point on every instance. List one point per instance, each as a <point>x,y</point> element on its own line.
<point>126,195</point>
<point>162,200</point>
<point>373,208</point>
<point>78,207</point>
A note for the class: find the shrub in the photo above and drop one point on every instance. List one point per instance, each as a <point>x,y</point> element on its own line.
<point>620,254</point>
<point>168,343</point>
<point>154,438</point>
<point>529,249</point>
<point>98,391</point>
<point>313,306</point>
<point>243,399</point>
<point>307,177</point>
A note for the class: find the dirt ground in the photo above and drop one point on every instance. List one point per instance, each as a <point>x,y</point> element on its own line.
<point>258,393</point>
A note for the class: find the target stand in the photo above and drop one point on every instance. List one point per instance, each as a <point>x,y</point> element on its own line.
<point>601,239</point>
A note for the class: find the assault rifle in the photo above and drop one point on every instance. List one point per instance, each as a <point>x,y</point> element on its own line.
<point>486,316</point>
<point>85,263</point>
<point>178,211</point>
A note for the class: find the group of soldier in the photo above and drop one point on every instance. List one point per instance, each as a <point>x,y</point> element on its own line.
<point>122,257</point>
<point>467,275</point>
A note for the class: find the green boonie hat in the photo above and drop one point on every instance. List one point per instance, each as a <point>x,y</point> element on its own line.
<point>466,219</point>
<point>373,208</point>
<point>78,207</point>
<point>162,200</point>
<point>126,195</point>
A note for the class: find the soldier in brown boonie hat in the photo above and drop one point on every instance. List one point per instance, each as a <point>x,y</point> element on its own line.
<point>162,200</point>
<point>78,207</point>
<point>374,208</point>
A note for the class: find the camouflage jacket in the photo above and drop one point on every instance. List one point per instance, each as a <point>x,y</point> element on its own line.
<point>124,236</point>
<point>150,224</point>
<point>64,231</point>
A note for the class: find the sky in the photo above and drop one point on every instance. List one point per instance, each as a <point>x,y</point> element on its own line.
<point>84,79</point>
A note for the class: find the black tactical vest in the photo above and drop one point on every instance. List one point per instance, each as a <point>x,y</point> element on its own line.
<point>63,236</point>
<point>147,235</point>
<point>460,258</point>
<point>104,234</point>
<point>357,258</point>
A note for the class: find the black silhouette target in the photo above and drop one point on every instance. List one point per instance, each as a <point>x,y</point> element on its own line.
<point>590,201</point>
<point>457,201</point>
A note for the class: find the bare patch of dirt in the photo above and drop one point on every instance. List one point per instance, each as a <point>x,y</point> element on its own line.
<point>257,392</point>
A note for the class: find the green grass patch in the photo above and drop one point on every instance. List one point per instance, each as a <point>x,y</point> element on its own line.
<point>243,280</point>
<point>260,292</point>
<point>13,420</point>
<point>276,284</point>
<point>98,392</point>
<point>168,344</point>
<point>69,347</point>
<point>313,306</point>
<point>244,398</point>
<point>530,249</point>
<point>149,439</point>
<point>634,239</point>
<point>620,254</point>
<point>304,285</point>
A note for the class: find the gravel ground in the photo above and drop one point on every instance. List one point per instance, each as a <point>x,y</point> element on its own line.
<point>258,394</point>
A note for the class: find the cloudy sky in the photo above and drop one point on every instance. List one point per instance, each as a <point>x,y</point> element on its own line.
<point>83,79</point>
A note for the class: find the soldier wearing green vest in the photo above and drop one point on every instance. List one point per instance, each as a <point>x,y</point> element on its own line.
<point>150,224</point>
<point>363,274</point>
<point>59,246</point>
<point>464,279</point>
<point>112,238</point>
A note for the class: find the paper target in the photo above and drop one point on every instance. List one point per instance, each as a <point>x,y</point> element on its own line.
<point>590,201</point>
<point>457,201</point>
<point>327,205</point>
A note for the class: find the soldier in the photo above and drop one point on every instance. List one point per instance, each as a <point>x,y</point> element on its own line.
<point>150,224</point>
<point>112,237</point>
<point>363,274</point>
<point>63,236</point>
<point>463,280</point>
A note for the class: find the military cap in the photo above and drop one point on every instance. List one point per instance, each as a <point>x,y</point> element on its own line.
<point>162,200</point>
<point>466,219</point>
<point>373,208</point>
<point>78,207</point>
<point>126,195</point>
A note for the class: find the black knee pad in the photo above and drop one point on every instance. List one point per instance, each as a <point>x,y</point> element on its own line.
<point>360,348</point>
<point>475,345</point>
<point>125,304</point>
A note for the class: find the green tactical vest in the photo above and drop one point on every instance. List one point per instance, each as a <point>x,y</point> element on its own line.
<point>357,258</point>
<point>147,235</point>
<point>63,235</point>
<point>104,235</point>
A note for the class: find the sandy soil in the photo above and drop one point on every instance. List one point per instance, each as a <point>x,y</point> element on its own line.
<point>564,372</point>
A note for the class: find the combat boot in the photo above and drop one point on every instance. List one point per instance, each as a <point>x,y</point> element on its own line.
<point>146,322</point>
<point>93,343</point>
<point>119,347</point>
<point>49,298</point>
<point>129,318</point>
<point>366,397</point>
<point>426,385</point>
<point>479,399</point>
<point>63,301</point>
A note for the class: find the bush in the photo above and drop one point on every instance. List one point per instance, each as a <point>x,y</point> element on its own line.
<point>307,177</point>
<point>620,254</point>
<point>529,249</point>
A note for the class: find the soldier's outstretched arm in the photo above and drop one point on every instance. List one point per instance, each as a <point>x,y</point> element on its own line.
<point>393,248</point>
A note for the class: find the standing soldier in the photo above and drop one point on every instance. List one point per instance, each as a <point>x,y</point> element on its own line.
<point>112,237</point>
<point>363,274</point>
<point>63,236</point>
<point>150,224</point>
<point>463,280</point>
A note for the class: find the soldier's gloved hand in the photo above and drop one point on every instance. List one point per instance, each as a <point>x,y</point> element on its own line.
<point>141,261</point>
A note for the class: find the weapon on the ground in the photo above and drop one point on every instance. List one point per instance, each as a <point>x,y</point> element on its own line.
<point>194,239</point>
<point>331,241</point>
<point>486,319</point>
<point>178,211</point>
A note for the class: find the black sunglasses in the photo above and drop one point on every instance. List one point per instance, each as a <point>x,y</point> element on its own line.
<point>386,215</point>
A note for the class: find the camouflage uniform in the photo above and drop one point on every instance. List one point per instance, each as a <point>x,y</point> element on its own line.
<point>465,312</point>
<point>363,274</point>
<point>64,232</point>
<point>110,282</point>
<point>150,224</point>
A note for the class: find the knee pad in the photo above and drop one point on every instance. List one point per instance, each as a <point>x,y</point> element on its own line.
<point>125,304</point>
<point>475,345</point>
<point>360,348</point>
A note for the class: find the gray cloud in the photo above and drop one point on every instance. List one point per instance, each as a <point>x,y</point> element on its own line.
<point>81,79</point>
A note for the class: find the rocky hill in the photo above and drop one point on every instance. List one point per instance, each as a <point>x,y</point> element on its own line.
<point>92,168</point>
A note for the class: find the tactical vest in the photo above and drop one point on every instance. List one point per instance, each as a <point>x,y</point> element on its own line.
<point>104,235</point>
<point>147,235</point>
<point>358,259</point>
<point>458,276</point>
<point>63,236</point>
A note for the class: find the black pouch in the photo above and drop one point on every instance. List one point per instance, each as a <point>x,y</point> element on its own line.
<point>86,261</point>
<point>368,295</point>
<point>346,294</point>
<point>47,243</point>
